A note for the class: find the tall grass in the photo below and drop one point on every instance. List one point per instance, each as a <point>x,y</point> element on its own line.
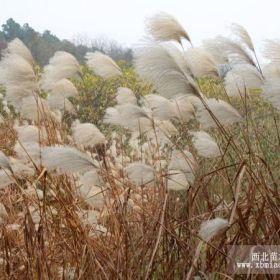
<point>175,180</point>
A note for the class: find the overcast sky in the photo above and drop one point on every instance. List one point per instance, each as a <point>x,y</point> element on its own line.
<point>123,20</point>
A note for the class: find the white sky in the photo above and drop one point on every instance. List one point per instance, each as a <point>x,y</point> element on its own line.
<point>123,20</point>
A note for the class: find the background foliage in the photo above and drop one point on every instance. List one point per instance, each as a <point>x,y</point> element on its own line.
<point>44,45</point>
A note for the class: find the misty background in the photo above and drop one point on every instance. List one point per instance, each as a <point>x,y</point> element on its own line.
<point>114,27</point>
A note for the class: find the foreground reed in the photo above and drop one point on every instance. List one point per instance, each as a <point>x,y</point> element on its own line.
<point>182,173</point>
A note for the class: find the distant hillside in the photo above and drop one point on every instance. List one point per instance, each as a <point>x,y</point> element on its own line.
<point>44,45</point>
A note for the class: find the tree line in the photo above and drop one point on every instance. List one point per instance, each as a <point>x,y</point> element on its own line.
<point>44,45</point>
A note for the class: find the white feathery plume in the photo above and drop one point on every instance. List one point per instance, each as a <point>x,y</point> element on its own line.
<point>177,181</point>
<point>162,108</point>
<point>20,168</point>
<point>243,35</point>
<point>3,213</point>
<point>270,92</point>
<point>241,79</point>
<point>62,65</point>
<point>272,51</point>
<point>64,88</point>
<point>179,57</point>
<point>59,102</point>
<point>179,108</point>
<point>17,47</point>
<point>140,173</point>
<point>127,111</point>
<point>142,126</point>
<point>183,161</point>
<point>57,115</point>
<point>184,108</point>
<point>113,151</point>
<point>201,63</point>
<point>87,134</point>
<point>66,159</point>
<point>93,196</point>
<point>90,184</point>
<point>271,85</point>
<point>153,100</point>
<point>271,71</point>
<point>30,133</point>
<point>91,178</point>
<point>28,151</point>
<point>211,228</point>
<point>132,111</point>
<point>6,109</point>
<point>90,189</point>
<point>213,47</point>
<point>195,101</point>
<point>159,131</point>
<point>15,95</point>
<point>128,116</point>
<point>113,116</point>
<point>205,145</point>
<point>164,27</point>
<point>125,95</point>
<point>103,65</point>
<point>34,108</point>
<point>157,64</point>
<point>230,50</point>
<point>236,53</point>
<point>166,109</point>
<point>5,179</point>
<point>166,128</point>
<point>5,162</point>
<point>134,143</point>
<point>67,60</point>
<point>224,113</point>
<point>89,217</point>
<point>18,77</point>
<point>16,71</point>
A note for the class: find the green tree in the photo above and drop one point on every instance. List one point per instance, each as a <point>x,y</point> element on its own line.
<point>11,30</point>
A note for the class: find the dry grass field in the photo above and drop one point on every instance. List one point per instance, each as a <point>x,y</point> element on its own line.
<point>150,171</point>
